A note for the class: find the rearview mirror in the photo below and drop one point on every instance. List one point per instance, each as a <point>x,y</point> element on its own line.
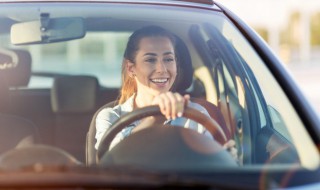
<point>47,30</point>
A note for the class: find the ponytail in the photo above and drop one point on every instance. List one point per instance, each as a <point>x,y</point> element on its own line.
<point>129,86</point>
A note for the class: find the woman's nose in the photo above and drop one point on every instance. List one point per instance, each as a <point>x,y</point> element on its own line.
<point>161,67</point>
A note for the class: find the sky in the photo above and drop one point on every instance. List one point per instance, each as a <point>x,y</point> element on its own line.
<point>269,12</point>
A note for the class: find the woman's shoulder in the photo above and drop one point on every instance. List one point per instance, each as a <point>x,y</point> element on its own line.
<point>118,110</point>
<point>109,112</point>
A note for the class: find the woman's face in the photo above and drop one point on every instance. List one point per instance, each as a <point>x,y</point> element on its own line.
<point>155,67</point>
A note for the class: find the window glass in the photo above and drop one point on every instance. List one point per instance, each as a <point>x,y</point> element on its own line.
<point>291,126</point>
<point>91,55</point>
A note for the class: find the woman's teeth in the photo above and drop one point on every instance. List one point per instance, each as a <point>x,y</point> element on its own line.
<point>159,80</point>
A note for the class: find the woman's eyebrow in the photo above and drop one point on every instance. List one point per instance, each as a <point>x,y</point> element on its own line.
<point>148,54</point>
<point>154,54</point>
<point>168,53</point>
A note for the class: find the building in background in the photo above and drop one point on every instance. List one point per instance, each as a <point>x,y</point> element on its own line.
<point>290,27</point>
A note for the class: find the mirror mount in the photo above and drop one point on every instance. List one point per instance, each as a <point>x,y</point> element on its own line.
<point>44,20</point>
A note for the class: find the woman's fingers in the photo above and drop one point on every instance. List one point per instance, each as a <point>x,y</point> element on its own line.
<point>231,147</point>
<point>172,109</point>
<point>229,144</point>
<point>177,104</point>
<point>171,104</point>
<point>186,99</point>
<point>162,102</point>
<point>180,106</point>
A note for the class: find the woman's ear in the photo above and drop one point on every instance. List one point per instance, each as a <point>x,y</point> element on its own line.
<point>130,68</point>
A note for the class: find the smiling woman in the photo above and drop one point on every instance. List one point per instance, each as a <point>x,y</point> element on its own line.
<point>145,99</point>
<point>149,70</point>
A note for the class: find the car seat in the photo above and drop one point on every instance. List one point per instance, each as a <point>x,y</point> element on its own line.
<point>15,131</point>
<point>73,100</point>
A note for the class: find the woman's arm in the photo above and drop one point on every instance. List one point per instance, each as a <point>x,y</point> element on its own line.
<point>104,121</point>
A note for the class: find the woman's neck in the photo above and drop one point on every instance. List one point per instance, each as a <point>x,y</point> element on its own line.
<point>142,100</point>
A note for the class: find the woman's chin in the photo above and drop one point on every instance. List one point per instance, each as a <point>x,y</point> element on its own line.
<point>159,91</point>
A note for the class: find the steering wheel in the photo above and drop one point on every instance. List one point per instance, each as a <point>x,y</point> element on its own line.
<point>211,125</point>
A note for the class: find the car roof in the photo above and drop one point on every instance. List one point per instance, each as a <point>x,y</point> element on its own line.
<point>203,3</point>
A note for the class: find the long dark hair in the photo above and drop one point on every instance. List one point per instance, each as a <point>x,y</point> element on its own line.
<point>129,86</point>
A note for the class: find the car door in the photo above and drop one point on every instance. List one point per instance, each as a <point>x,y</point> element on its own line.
<point>257,127</point>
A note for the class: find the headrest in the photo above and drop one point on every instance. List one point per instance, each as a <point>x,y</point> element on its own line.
<point>15,67</point>
<point>185,69</point>
<point>74,94</point>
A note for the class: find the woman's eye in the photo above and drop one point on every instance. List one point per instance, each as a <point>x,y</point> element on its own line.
<point>151,60</point>
<point>168,60</point>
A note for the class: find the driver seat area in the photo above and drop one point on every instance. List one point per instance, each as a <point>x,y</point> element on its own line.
<point>183,81</point>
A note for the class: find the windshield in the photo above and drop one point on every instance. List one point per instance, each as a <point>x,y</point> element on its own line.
<point>65,77</point>
<point>91,55</point>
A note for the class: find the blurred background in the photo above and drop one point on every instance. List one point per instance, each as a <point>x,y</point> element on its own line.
<point>292,29</point>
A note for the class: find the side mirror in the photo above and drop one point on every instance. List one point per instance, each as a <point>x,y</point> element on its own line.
<point>47,30</point>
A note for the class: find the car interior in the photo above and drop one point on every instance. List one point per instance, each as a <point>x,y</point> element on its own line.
<point>211,71</point>
<point>66,111</point>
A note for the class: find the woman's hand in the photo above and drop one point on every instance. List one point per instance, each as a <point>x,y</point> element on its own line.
<point>171,104</point>
<point>231,147</point>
